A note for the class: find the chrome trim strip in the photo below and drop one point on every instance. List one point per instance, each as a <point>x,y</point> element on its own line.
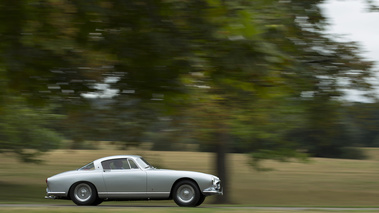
<point>56,193</point>
<point>133,193</point>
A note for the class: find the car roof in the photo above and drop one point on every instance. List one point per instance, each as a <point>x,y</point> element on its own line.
<point>117,156</point>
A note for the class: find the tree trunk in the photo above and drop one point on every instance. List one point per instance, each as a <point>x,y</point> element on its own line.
<point>221,166</point>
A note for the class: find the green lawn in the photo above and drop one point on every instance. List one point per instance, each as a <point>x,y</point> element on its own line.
<point>321,182</point>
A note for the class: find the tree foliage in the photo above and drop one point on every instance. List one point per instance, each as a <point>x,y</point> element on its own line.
<point>26,131</point>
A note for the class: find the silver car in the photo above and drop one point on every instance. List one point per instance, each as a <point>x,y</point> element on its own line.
<point>130,177</point>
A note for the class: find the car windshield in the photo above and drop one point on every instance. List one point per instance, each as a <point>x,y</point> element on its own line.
<point>144,163</point>
<point>89,166</point>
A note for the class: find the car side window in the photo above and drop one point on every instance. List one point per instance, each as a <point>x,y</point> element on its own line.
<point>132,164</point>
<point>116,164</point>
<point>89,166</point>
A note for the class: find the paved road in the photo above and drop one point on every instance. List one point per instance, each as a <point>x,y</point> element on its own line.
<point>220,207</point>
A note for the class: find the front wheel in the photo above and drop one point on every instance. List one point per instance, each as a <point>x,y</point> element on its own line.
<point>187,194</point>
<point>201,200</point>
<point>84,194</point>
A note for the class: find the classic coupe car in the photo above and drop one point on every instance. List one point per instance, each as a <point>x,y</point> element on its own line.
<point>130,177</point>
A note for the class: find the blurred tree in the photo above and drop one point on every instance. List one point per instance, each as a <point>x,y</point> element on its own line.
<point>155,43</point>
<point>365,118</point>
<point>39,56</point>
<point>40,64</point>
<point>26,131</point>
<point>322,68</point>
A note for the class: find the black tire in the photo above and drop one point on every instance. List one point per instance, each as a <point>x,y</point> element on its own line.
<point>186,193</point>
<point>84,194</point>
<point>201,200</point>
<point>97,202</point>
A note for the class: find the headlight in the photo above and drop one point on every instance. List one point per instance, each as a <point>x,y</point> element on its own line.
<point>216,182</point>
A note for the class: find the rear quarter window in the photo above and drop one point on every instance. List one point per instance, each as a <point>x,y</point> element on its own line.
<point>89,166</point>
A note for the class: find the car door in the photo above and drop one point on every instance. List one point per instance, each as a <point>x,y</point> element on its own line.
<point>123,178</point>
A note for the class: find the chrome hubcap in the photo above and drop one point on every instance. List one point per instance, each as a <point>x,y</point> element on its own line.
<point>186,193</point>
<point>83,192</point>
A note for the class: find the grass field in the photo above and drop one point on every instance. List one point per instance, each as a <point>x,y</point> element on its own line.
<point>321,182</point>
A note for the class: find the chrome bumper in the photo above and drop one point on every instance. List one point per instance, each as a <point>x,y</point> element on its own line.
<point>54,195</point>
<point>213,191</point>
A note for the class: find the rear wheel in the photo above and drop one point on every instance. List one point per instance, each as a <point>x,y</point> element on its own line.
<point>84,194</point>
<point>97,202</point>
<point>187,194</point>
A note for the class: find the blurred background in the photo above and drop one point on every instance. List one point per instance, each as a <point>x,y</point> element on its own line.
<point>264,78</point>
